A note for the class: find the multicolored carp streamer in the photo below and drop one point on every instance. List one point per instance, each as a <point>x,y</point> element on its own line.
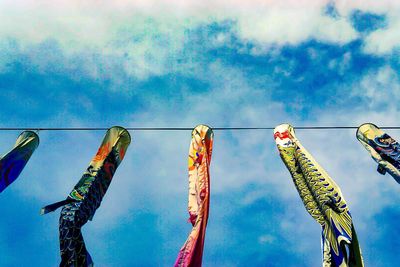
<point>82,203</point>
<point>200,151</point>
<point>383,149</point>
<point>322,199</point>
<point>12,164</point>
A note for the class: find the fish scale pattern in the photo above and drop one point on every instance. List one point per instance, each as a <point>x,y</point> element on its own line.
<point>72,246</point>
<point>305,189</point>
<point>12,163</point>
<point>75,215</point>
<point>382,148</point>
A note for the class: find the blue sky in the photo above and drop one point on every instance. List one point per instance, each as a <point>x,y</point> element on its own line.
<point>222,63</point>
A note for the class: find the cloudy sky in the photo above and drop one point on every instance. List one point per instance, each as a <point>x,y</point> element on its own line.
<point>178,64</point>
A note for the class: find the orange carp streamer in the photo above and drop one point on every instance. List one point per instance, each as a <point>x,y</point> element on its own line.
<point>191,254</point>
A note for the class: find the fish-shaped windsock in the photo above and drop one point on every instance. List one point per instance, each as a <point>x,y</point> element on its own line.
<point>322,199</point>
<point>12,164</point>
<point>200,151</point>
<point>82,203</point>
<point>382,148</point>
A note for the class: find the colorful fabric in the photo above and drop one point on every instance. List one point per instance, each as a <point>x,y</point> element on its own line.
<point>382,148</point>
<point>322,199</point>
<point>200,151</point>
<point>12,164</point>
<point>85,198</point>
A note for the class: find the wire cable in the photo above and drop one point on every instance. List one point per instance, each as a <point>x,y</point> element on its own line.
<point>180,128</point>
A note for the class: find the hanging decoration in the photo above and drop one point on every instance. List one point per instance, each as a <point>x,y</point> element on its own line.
<point>12,164</point>
<point>322,199</point>
<point>382,148</point>
<point>200,151</point>
<point>82,203</point>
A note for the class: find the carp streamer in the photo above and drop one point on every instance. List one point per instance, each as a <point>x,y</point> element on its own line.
<point>12,164</point>
<point>200,151</point>
<point>82,203</point>
<point>322,199</point>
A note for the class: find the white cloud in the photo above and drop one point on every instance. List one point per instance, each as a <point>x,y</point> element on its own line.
<point>150,33</point>
<point>292,25</point>
<point>147,37</point>
<point>345,7</point>
<point>384,41</point>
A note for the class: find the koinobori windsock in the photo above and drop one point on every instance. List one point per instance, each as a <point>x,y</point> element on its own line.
<point>200,151</point>
<point>382,148</point>
<point>322,199</point>
<point>12,164</point>
<point>82,203</point>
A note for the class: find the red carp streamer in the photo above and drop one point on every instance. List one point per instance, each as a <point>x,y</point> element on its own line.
<point>200,151</point>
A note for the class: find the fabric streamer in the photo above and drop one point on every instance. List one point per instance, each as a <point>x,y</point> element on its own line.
<point>382,148</point>
<point>322,199</point>
<point>12,164</point>
<point>200,151</point>
<point>82,203</point>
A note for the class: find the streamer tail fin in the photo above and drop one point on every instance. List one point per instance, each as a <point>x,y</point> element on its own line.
<point>355,257</point>
<point>54,206</point>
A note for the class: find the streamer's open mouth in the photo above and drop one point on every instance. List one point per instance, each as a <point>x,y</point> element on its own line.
<point>283,135</point>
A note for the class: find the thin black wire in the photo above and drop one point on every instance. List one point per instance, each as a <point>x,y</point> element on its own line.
<point>178,128</point>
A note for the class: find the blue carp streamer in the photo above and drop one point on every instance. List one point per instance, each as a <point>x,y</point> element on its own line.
<point>12,164</point>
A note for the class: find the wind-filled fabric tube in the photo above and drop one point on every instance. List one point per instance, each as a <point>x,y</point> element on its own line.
<point>322,199</point>
<point>12,164</point>
<point>191,253</point>
<point>85,198</point>
<point>382,148</point>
